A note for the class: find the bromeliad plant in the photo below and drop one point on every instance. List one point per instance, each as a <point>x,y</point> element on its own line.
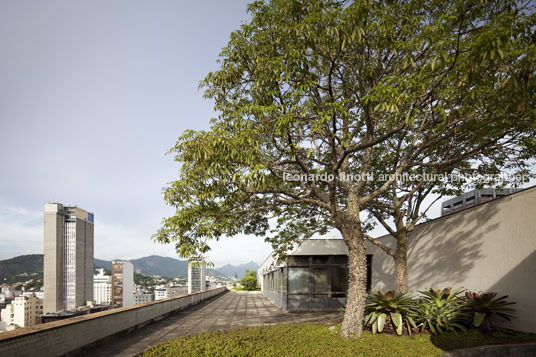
<point>391,308</point>
<point>484,305</point>
<point>441,310</point>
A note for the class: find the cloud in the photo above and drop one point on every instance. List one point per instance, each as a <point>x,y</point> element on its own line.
<point>21,230</point>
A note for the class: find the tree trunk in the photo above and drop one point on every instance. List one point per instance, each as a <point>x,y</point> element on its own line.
<point>352,324</point>
<point>401,263</point>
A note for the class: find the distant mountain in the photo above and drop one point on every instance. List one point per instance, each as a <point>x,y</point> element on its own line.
<point>158,265</point>
<point>18,268</point>
<point>151,265</point>
<point>163,266</point>
<point>99,263</point>
<point>239,270</point>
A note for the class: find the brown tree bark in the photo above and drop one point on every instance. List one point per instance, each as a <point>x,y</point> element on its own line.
<point>401,262</point>
<point>352,324</point>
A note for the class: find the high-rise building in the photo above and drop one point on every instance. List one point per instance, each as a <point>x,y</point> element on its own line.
<point>122,284</point>
<point>196,275</point>
<point>102,288</point>
<point>68,266</point>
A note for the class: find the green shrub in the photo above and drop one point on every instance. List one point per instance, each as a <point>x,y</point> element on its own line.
<point>441,310</point>
<point>482,306</point>
<point>249,282</point>
<point>391,309</point>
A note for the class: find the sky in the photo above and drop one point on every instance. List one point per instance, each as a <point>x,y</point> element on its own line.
<point>92,96</point>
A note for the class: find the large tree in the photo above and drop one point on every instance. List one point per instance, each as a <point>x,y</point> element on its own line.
<point>308,96</point>
<point>498,150</point>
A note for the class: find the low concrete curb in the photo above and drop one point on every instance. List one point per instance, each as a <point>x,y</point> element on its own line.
<point>517,350</point>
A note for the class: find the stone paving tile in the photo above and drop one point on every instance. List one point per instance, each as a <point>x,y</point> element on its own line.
<point>229,310</point>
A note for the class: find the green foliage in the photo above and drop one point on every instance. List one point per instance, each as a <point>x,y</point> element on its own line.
<point>324,90</point>
<point>328,87</point>
<point>143,280</point>
<point>316,340</point>
<point>439,311</point>
<point>483,306</point>
<point>249,282</point>
<point>390,307</point>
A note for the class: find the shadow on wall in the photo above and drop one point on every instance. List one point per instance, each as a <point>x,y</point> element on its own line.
<point>443,253</point>
<point>520,286</point>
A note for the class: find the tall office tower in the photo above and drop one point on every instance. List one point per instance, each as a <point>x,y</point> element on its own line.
<point>196,275</point>
<point>68,268</point>
<point>122,284</point>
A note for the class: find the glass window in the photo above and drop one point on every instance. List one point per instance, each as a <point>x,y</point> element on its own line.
<point>338,281</point>
<point>298,280</point>
<point>321,283</point>
<point>339,259</point>
<point>321,259</point>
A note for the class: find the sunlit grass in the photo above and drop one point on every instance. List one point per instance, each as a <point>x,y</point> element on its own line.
<point>316,340</point>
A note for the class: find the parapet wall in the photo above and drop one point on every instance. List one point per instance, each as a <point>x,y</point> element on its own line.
<point>62,337</point>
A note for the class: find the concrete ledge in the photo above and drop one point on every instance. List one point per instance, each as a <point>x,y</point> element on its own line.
<point>64,336</point>
<point>517,350</point>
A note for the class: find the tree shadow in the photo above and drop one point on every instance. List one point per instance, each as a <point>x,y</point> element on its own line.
<point>443,252</point>
<point>520,286</point>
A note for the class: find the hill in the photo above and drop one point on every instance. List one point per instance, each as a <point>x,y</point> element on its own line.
<point>21,268</point>
<point>239,270</point>
<point>18,267</point>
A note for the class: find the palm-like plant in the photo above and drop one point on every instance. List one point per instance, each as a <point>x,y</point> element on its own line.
<point>382,309</point>
<point>441,310</point>
<point>485,305</point>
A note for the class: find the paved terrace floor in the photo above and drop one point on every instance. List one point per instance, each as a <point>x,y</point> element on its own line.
<point>228,310</point>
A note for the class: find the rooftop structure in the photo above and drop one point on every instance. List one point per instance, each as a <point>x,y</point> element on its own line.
<point>473,198</point>
<point>314,276</point>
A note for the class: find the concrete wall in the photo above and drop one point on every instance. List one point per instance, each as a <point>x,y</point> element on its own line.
<point>490,247</point>
<point>53,260</point>
<point>61,337</point>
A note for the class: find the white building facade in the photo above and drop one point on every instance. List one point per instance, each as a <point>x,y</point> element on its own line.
<point>102,288</point>
<point>164,292</point>
<point>142,297</point>
<point>196,275</point>
<point>23,311</point>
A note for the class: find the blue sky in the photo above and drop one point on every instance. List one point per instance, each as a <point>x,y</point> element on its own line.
<point>92,95</point>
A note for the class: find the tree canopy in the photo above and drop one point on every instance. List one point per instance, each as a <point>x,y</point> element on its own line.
<point>314,97</point>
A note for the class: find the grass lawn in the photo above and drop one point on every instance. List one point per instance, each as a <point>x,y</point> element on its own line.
<point>244,289</point>
<point>316,340</point>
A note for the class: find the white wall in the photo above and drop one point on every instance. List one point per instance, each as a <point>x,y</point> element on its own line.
<point>489,247</point>
<point>128,284</point>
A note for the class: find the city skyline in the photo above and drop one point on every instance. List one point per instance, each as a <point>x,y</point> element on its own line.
<point>99,93</point>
